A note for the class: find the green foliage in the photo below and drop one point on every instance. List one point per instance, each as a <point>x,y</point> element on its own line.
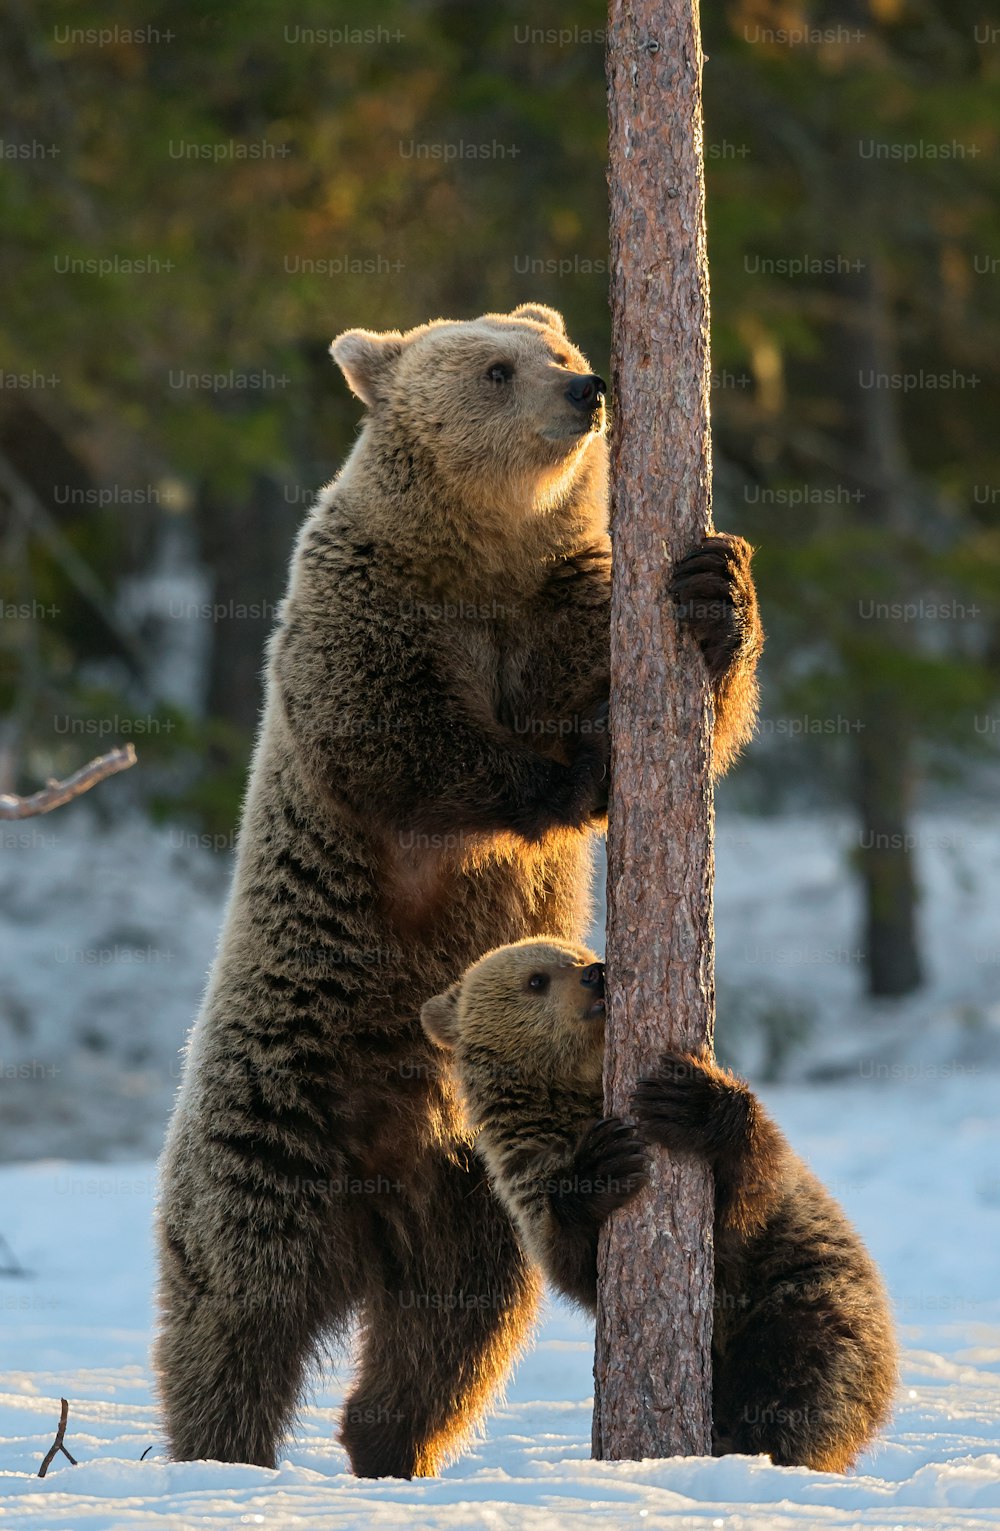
<point>278,190</point>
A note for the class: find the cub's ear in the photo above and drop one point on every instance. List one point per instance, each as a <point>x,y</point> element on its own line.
<point>367,360</point>
<point>439,1017</point>
<point>542,314</point>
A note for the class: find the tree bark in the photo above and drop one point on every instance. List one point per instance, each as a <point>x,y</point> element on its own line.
<point>652,1395</point>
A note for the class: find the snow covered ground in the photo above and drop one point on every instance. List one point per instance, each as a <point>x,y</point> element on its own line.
<point>917,1163</point>
<point>105,939</point>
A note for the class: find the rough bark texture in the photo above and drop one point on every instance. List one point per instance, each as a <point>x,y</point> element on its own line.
<point>654,1323</point>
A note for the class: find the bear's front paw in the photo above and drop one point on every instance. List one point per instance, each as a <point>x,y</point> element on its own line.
<point>609,1168</point>
<point>691,1104</point>
<point>715,599</point>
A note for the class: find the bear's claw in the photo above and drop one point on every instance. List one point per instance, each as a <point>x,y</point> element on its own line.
<point>610,1166</point>
<point>690,1104</point>
<point>714,598</point>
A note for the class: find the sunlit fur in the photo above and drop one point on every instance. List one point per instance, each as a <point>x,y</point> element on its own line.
<point>428,779</point>
<point>501,477</point>
<point>804,1353</point>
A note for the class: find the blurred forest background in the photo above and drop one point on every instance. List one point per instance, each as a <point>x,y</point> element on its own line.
<point>197,199</point>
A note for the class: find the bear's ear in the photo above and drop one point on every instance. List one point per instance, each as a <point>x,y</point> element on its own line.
<point>542,315</point>
<point>439,1017</point>
<point>366,360</point>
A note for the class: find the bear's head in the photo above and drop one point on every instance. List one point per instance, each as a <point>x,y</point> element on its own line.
<point>503,408</point>
<point>533,1010</point>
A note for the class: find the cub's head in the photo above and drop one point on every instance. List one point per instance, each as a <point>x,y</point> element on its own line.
<point>533,1011</point>
<point>503,407</point>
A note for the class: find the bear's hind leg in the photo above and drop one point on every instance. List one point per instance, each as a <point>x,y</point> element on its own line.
<point>807,1369</point>
<point>794,1388</point>
<point>440,1334</point>
<point>237,1334</point>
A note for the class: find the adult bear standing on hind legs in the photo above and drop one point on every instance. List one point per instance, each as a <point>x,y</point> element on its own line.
<point>429,776</point>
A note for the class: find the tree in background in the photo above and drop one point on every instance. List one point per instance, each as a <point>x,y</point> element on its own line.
<point>854,191</point>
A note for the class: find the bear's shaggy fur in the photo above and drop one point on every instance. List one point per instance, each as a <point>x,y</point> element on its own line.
<point>430,771</point>
<point>804,1353</point>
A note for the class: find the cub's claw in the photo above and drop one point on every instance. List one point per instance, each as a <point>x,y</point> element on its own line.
<point>690,1104</point>
<point>610,1166</point>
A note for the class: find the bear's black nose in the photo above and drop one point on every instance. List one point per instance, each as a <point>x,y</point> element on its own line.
<point>586,390</point>
<point>593,978</point>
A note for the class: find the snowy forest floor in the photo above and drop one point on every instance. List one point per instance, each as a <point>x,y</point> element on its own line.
<point>914,1161</point>
<point>106,937</point>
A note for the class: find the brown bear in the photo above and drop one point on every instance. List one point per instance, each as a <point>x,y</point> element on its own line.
<point>804,1353</point>
<point>429,777</point>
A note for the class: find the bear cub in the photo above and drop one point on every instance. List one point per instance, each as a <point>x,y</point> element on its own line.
<point>803,1352</point>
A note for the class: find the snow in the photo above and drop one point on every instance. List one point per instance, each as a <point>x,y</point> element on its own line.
<point>106,937</point>
<point>913,1161</point>
<point>895,1106</point>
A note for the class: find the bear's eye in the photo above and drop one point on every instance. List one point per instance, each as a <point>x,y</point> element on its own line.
<point>500,372</point>
<point>539,982</point>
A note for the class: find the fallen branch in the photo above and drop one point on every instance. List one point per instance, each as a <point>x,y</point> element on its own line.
<point>59,792</point>
<point>57,1444</point>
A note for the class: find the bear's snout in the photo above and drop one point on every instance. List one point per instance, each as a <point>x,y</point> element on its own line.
<point>593,979</point>
<point>586,391</point>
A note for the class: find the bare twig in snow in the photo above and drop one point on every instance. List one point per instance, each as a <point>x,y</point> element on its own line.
<point>57,1444</point>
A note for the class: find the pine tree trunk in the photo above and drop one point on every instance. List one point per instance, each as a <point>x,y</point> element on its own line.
<point>886,861</point>
<point>652,1395</point>
<point>885,771</point>
<point>247,541</point>
<point>885,749</point>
